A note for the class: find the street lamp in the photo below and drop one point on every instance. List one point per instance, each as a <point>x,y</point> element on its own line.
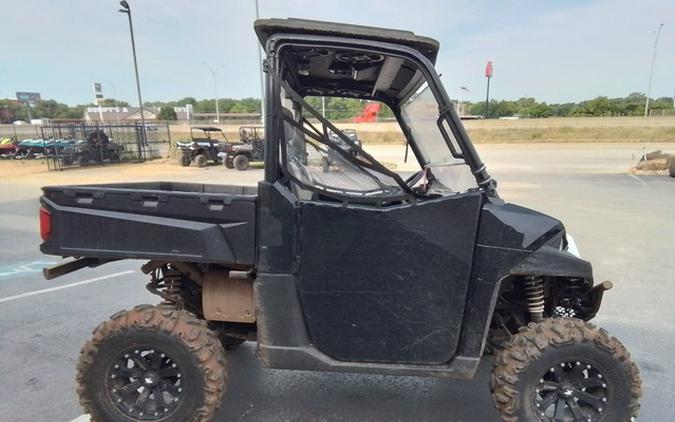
<point>651,70</point>
<point>462,90</point>
<point>126,9</point>
<point>214,73</point>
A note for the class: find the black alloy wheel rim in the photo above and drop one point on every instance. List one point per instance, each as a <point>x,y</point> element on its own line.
<point>145,383</point>
<point>570,392</point>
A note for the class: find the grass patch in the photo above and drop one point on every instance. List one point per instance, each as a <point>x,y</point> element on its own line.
<point>554,130</point>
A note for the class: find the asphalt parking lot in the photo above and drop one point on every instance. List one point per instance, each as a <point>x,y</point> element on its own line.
<point>623,224</point>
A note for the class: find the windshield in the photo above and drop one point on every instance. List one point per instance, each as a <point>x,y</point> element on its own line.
<point>420,113</point>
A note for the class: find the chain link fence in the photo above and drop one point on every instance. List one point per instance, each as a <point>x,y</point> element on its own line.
<point>68,144</point>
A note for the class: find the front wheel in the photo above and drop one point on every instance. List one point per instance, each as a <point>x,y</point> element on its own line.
<point>240,162</point>
<point>564,370</point>
<point>150,364</point>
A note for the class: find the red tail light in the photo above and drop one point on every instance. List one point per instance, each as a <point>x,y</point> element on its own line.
<point>45,223</point>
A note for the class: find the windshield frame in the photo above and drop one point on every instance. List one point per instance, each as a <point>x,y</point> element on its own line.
<point>448,153</point>
<point>277,42</point>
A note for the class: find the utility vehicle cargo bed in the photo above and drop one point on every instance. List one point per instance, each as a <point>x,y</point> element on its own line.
<point>153,220</point>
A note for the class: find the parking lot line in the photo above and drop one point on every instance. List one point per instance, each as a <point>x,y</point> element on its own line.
<point>637,178</point>
<point>81,418</point>
<point>65,286</point>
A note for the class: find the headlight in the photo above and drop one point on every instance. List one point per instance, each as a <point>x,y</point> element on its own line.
<point>571,245</point>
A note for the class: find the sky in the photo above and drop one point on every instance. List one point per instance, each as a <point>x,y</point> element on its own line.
<point>555,51</point>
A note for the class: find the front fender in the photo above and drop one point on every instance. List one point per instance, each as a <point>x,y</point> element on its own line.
<point>550,261</point>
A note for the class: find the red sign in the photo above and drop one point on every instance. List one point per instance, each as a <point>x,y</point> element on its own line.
<point>488,70</point>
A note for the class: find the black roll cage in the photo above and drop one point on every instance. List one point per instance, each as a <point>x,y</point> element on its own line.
<point>273,67</point>
<point>323,138</point>
<point>207,132</point>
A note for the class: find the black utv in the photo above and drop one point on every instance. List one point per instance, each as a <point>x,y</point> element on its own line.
<point>354,269</point>
<point>203,147</point>
<point>96,150</point>
<point>251,147</point>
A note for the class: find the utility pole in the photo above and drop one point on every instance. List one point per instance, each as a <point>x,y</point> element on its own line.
<point>214,73</point>
<point>651,69</point>
<point>260,70</point>
<point>126,9</point>
<point>488,76</point>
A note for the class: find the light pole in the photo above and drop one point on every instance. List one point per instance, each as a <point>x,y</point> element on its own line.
<point>651,70</point>
<point>214,73</point>
<point>126,9</point>
<point>262,84</point>
<point>462,90</point>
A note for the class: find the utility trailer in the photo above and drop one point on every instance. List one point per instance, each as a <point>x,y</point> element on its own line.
<point>350,267</point>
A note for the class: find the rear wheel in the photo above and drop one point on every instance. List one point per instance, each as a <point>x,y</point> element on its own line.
<point>240,162</point>
<point>200,160</point>
<point>149,364</point>
<point>184,159</point>
<point>564,370</point>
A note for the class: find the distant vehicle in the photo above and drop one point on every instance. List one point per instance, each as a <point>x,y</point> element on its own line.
<point>95,150</point>
<point>351,134</point>
<point>204,146</point>
<point>19,122</point>
<point>39,121</point>
<point>251,147</point>
<point>31,148</point>
<point>7,147</point>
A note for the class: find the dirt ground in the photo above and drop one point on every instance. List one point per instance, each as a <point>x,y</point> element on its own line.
<point>27,176</point>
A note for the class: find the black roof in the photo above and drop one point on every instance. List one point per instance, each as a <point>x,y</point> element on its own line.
<point>264,28</point>
<point>207,128</point>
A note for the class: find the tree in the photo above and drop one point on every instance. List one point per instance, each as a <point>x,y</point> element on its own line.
<point>11,111</point>
<point>167,113</point>
<point>540,110</point>
<point>111,102</point>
